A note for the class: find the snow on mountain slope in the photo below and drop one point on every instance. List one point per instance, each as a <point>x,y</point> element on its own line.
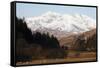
<point>61,23</point>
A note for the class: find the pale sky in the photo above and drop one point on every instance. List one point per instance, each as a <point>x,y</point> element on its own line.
<point>29,10</point>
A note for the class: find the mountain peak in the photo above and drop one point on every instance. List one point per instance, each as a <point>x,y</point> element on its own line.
<point>51,12</point>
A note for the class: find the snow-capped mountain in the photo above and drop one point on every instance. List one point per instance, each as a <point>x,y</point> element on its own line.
<point>58,24</point>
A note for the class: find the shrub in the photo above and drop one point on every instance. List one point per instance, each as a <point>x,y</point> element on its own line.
<point>56,53</point>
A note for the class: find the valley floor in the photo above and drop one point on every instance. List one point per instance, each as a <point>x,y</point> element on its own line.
<point>72,57</point>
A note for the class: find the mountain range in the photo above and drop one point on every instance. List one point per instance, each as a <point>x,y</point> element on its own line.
<point>60,25</point>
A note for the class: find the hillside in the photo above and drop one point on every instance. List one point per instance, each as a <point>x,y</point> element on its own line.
<point>88,38</point>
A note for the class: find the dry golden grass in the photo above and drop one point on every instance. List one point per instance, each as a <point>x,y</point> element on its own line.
<point>72,57</point>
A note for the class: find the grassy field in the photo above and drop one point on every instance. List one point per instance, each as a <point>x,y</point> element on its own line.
<point>72,57</point>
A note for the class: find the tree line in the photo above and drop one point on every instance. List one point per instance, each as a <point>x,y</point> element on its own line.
<point>45,40</point>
